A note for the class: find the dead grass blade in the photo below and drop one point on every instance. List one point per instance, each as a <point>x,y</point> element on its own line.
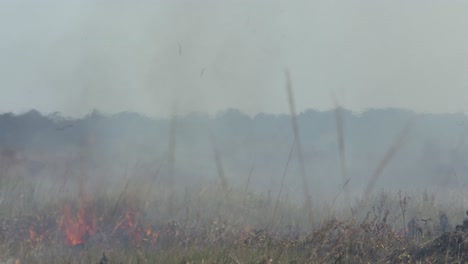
<point>387,158</point>
<point>219,165</point>
<point>282,182</point>
<point>172,148</point>
<point>295,127</point>
<point>341,149</point>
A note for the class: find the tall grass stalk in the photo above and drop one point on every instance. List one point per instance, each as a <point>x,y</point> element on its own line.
<point>341,151</point>
<point>297,139</point>
<point>386,159</point>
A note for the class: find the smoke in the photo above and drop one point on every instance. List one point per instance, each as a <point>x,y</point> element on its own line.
<point>208,55</point>
<point>118,56</point>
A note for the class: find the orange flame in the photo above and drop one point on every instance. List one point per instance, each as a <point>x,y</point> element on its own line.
<point>135,232</point>
<point>151,236</point>
<point>32,234</point>
<point>130,216</point>
<point>77,229</point>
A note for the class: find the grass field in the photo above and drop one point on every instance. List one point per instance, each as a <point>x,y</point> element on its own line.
<point>143,221</point>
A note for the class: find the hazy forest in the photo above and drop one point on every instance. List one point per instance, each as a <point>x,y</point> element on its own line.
<point>253,150</point>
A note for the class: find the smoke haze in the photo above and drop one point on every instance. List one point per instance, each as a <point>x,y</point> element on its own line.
<point>148,56</point>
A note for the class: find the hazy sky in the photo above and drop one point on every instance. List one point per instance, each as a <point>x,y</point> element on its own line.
<point>207,55</point>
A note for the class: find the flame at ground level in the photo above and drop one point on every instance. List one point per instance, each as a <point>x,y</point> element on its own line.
<point>77,229</point>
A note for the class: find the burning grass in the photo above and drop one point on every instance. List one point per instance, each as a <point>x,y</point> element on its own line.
<point>136,222</point>
<point>128,230</point>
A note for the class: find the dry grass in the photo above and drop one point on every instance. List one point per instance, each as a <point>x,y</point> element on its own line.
<point>203,225</point>
<point>83,217</point>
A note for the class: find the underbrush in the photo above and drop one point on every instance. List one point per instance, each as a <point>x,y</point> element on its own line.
<point>146,220</point>
<point>211,225</point>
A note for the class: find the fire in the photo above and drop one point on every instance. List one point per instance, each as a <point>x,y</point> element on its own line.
<point>134,231</point>
<point>32,234</point>
<point>38,234</point>
<point>77,229</point>
<point>131,216</point>
<point>151,236</point>
<point>79,226</point>
<point>131,228</point>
